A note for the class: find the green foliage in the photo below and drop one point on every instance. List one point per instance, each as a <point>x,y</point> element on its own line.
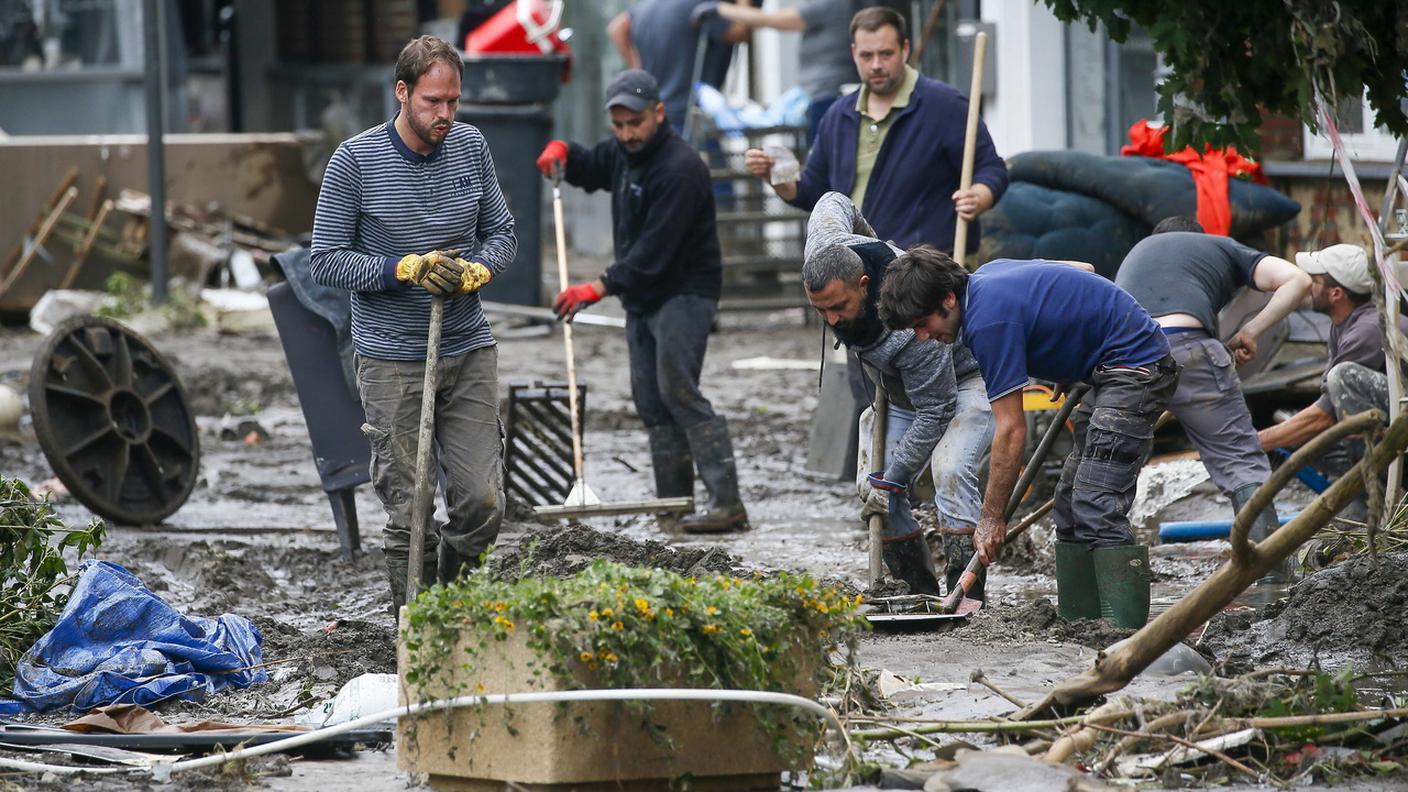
<point>623,627</point>
<point>1315,694</point>
<point>1229,59</point>
<point>32,568</point>
<point>132,297</point>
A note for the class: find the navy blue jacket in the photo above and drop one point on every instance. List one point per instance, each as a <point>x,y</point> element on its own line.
<point>910,196</point>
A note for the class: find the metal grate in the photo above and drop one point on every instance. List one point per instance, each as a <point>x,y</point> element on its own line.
<point>538,446</point>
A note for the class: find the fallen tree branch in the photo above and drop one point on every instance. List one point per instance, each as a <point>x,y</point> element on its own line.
<point>1082,738</point>
<point>970,727</point>
<point>1114,670</point>
<point>1314,449</point>
<point>1192,746</point>
<point>982,679</point>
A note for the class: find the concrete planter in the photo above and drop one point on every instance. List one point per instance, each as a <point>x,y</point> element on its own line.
<point>579,746</point>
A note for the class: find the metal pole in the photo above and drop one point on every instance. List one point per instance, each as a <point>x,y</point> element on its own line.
<point>156,156</point>
<point>1393,361</point>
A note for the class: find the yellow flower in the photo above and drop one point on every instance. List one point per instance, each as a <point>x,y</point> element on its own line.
<point>669,613</point>
<point>711,610</point>
<point>480,688</point>
<point>504,623</point>
<point>618,626</point>
<point>611,657</point>
<point>642,605</point>
<point>607,612</point>
<point>746,633</point>
<point>710,629</point>
<point>592,666</point>
<point>585,657</point>
<point>821,606</point>
<point>593,615</point>
<point>501,606</point>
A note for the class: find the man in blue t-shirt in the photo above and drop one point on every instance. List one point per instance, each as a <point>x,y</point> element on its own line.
<point>1060,322</point>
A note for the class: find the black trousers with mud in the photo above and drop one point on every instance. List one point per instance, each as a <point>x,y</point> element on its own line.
<point>469,447</point>
<point>1114,434</point>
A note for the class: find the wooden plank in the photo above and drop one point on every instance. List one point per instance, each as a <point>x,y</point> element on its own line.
<point>87,245</point>
<point>39,239</point>
<point>45,211</point>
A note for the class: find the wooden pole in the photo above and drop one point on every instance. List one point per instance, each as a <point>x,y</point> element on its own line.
<point>1115,669</point>
<point>423,503</point>
<point>878,428</point>
<point>66,183</point>
<point>86,246</point>
<point>970,143</point>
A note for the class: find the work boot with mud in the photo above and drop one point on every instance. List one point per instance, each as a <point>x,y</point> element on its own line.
<point>673,466</point>
<point>1122,577</point>
<point>958,551</point>
<point>908,559</point>
<point>396,567</point>
<point>1266,524</point>
<point>1077,596</point>
<point>452,565</point>
<point>713,455</point>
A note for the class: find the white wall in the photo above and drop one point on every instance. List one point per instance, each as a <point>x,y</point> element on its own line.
<point>1029,111</point>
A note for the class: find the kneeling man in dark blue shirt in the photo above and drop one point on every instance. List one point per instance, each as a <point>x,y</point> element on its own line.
<point>1054,321</point>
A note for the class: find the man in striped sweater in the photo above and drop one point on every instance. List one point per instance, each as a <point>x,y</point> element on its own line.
<point>392,199</point>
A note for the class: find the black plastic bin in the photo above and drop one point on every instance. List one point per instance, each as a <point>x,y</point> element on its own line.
<point>509,98</point>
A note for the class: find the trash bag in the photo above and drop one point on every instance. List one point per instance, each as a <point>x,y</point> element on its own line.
<point>118,643</point>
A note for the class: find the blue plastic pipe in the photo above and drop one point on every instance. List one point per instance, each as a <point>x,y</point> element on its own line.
<point>1199,530</point>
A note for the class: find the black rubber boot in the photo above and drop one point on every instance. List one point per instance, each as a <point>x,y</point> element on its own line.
<point>909,559</point>
<point>396,575</point>
<point>452,566</point>
<point>713,455</point>
<point>1122,577</point>
<point>958,551</point>
<point>671,461</point>
<point>1266,524</point>
<point>1076,594</point>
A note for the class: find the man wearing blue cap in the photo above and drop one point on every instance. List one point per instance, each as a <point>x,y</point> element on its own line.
<point>668,274</point>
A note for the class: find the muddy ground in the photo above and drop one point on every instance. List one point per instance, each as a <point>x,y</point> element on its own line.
<point>256,539</point>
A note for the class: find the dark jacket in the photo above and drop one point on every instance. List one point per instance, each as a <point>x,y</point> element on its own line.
<point>662,215</point>
<point>910,195</point>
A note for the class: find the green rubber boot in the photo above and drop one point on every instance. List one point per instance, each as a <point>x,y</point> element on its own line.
<point>1076,594</point>
<point>1122,577</point>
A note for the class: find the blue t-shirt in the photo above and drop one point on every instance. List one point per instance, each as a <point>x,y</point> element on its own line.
<point>1053,322</point>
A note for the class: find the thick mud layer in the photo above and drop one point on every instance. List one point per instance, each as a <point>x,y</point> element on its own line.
<point>565,551</point>
<point>1350,613</point>
<point>1039,620</point>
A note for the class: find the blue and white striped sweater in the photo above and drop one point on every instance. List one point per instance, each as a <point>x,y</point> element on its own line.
<point>381,201</point>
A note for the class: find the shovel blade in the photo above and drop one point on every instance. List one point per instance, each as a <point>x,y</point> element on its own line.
<point>581,495</point>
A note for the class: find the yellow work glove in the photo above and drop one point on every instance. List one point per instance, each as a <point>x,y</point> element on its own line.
<point>473,275</point>
<point>436,273</point>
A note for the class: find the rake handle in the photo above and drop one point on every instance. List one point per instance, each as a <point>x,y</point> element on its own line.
<point>561,235</point>
<point>425,489</point>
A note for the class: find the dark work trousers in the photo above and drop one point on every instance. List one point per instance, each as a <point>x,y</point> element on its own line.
<point>1113,438</point>
<point>666,348</point>
<point>469,444</point>
<point>1210,407</point>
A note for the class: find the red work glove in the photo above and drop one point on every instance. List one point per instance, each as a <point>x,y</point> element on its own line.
<point>574,298</point>
<point>553,160</point>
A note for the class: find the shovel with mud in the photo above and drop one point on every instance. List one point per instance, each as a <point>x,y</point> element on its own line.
<point>923,612</point>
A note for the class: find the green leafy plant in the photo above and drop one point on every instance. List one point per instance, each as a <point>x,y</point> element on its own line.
<point>33,570</point>
<point>131,297</point>
<point>1229,61</point>
<point>624,626</point>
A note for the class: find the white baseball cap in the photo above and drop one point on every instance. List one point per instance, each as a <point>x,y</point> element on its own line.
<point>1347,264</point>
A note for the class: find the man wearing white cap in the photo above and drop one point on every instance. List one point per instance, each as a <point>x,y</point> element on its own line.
<point>1354,380</point>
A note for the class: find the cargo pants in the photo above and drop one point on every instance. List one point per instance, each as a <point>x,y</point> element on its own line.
<point>1210,407</point>
<point>469,446</point>
<point>1114,435</point>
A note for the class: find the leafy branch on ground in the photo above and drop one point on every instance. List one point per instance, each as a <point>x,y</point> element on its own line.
<point>33,570</point>
<point>131,297</point>
<point>614,626</point>
<point>1230,61</point>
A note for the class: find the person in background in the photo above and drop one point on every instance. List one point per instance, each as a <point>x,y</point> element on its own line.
<point>824,58</point>
<point>668,274</point>
<point>656,35</point>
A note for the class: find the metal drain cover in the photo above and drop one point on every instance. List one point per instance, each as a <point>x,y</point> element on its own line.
<point>112,420</point>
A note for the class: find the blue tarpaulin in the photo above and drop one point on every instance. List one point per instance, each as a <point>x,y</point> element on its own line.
<point>118,643</point>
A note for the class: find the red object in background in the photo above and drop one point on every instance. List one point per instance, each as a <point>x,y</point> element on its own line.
<point>523,27</point>
<point>1210,171</point>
